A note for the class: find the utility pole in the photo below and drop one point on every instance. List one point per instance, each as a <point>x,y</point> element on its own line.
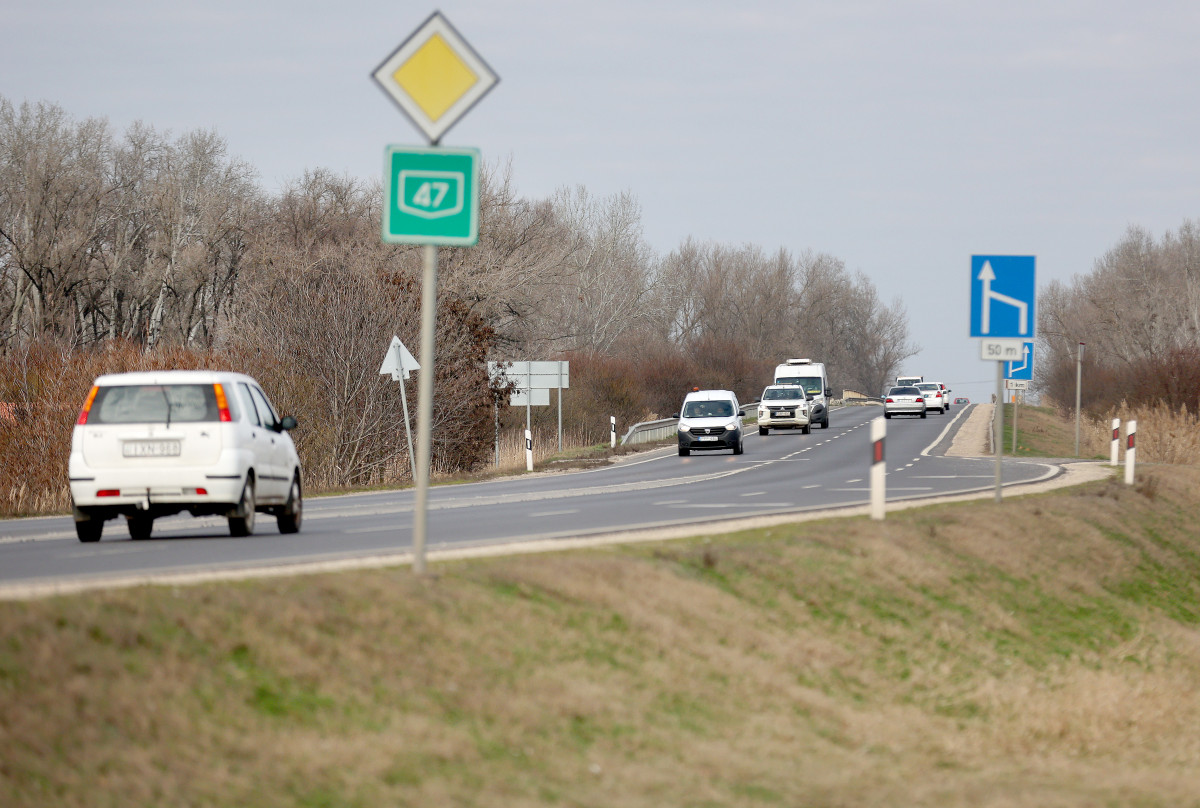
<point>1078,388</point>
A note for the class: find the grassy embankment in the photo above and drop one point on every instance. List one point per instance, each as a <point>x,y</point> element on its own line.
<point>1044,651</point>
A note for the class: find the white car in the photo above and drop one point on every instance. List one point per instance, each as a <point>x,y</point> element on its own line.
<point>935,397</point>
<point>710,419</point>
<point>784,406</point>
<point>904,401</point>
<point>156,443</point>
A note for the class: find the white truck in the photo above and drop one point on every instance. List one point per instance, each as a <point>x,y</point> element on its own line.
<point>811,376</point>
<point>908,381</point>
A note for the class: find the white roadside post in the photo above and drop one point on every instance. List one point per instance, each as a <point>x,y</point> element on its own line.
<point>878,469</point>
<point>612,431</point>
<point>1130,450</point>
<point>528,450</point>
<point>1116,441</point>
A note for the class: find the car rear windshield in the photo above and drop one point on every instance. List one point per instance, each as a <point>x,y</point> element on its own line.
<point>708,409</point>
<point>904,391</point>
<point>151,403</point>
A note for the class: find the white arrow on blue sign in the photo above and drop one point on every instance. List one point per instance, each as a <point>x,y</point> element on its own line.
<point>1003,292</point>
<point>1022,369</point>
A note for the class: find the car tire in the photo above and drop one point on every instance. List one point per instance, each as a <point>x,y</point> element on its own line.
<point>241,523</point>
<point>739,448</point>
<point>825,424</point>
<point>684,451</point>
<point>887,415</point>
<point>762,430</point>
<point>140,527</point>
<point>291,515</point>
<point>923,413</point>
<point>805,429</point>
<point>89,530</point>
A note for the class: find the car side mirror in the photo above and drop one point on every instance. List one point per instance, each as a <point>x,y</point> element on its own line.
<point>829,392</point>
<point>287,423</point>
<point>676,415</point>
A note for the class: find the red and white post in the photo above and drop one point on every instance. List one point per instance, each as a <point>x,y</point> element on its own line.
<point>1130,450</point>
<point>612,431</point>
<point>528,450</point>
<point>1116,441</point>
<point>878,469</point>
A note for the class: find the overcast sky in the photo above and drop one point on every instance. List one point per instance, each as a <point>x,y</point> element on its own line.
<point>900,137</point>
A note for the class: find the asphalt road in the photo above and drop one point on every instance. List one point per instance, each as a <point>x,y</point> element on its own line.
<point>781,473</point>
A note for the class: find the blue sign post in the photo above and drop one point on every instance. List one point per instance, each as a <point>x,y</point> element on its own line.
<point>1022,370</point>
<point>1003,292</point>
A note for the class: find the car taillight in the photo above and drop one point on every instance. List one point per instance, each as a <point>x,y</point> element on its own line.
<point>87,406</point>
<point>889,401</point>
<point>222,403</point>
<point>109,492</point>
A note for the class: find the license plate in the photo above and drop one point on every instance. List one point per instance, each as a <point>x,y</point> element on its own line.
<point>786,414</point>
<point>151,448</point>
<point>708,437</point>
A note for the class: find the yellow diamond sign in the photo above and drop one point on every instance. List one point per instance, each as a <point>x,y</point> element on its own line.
<point>435,77</point>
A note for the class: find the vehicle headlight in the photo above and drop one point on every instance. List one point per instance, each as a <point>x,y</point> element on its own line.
<point>731,426</point>
<point>684,427</point>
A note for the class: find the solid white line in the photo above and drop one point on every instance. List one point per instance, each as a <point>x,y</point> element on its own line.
<point>554,513</point>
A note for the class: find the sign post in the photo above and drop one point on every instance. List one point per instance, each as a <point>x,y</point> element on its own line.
<point>435,77</point>
<point>1003,295</point>
<point>398,363</point>
<point>1018,378</point>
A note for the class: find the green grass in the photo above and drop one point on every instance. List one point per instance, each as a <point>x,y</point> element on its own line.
<point>933,659</point>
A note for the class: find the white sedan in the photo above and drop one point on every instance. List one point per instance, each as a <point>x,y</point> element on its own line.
<point>904,401</point>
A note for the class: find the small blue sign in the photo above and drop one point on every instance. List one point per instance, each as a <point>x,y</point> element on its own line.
<point>1022,369</point>
<point>1003,293</point>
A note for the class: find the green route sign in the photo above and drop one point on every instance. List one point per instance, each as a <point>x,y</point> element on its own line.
<point>431,196</point>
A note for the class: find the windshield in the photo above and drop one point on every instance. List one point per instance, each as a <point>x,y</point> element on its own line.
<point>708,409</point>
<point>811,384</point>
<point>782,394</point>
<point>150,403</point>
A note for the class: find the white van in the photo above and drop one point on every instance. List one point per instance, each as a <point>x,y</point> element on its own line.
<point>710,419</point>
<point>811,376</point>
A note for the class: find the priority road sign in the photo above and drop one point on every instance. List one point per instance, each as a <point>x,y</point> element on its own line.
<point>1022,369</point>
<point>435,76</point>
<point>1003,292</point>
<point>431,196</point>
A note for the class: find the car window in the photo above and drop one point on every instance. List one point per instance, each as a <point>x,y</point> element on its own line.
<point>150,403</point>
<point>265,411</point>
<point>248,402</point>
<point>928,387</point>
<point>708,409</point>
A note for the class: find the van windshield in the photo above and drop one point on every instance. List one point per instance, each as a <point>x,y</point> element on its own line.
<point>708,409</point>
<point>809,383</point>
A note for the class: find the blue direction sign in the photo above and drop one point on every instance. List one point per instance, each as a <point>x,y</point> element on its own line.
<point>431,196</point>
<point>1003,291</point>
<point>1022,369</point>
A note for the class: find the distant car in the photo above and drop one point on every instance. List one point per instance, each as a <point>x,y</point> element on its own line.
<point>157,443</point>
<point>935,399</point>
<point>904,401</point>
<point>710,419</point>
<point>784,406</point>
<point>961,400</point>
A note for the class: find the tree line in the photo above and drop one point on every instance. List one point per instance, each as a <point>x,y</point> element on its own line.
<point>1138,314</point>
<point>140,245</point>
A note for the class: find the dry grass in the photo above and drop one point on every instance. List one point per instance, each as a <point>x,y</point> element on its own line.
<point>1164,435</point>
<point>1045,651</point>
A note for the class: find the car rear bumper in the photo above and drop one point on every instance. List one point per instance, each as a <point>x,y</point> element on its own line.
<point>904,409</point>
